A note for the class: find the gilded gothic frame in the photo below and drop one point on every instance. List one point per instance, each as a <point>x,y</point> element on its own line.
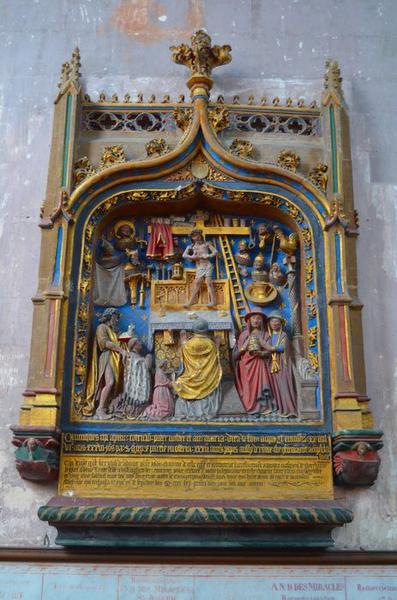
<point>316,202</point>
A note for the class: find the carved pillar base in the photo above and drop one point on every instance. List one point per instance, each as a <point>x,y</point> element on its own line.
<point>37,453</point>
<point>40,408</point>
<point>347,413</point>
<point>367,416</point>
<point>355,457</point>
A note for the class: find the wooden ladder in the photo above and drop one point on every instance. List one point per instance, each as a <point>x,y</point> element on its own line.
<point>239,301</point>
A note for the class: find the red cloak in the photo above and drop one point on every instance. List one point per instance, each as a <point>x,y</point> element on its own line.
<point>252,373</point>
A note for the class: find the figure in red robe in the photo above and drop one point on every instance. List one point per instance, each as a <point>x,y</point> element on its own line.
<point>162,406</point>
<point>161,245</point>
<point>252,365</point>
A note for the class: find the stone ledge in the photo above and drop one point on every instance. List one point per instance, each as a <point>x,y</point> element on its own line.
<point>162,523</point>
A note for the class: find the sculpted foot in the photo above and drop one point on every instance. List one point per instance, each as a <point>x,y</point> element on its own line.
<point>101,414</point>
<point>267,412</point>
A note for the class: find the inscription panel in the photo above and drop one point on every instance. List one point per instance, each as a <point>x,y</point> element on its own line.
<point>194,467</point>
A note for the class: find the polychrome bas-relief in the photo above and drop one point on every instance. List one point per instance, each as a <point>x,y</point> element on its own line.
<point>154,281</point>
<point>200,356</point>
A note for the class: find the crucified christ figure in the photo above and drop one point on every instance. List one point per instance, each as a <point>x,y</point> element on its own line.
<point>201,252</point>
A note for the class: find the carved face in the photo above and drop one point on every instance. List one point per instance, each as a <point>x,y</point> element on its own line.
<point>162,364</point>
<point>197,237</point>
<point>258,263</point>
<point>275,269</point>
<point>362,448</point>
<point>114,319</point>
<point>135,345</point>
<point>138,347</point>
<point>125,231</point>
<point>256,321</point>
<point>134,257</point>
<point>242,246</point>
<point>275,324</point>
<point>289,159</point>
<point>262,229</point>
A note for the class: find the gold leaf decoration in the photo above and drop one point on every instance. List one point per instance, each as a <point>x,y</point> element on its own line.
<point>288,159</point>
<point>183,117</point>
<point>201,57</point>
<point>112,155</point>
<point>157,147</point>
<point>319,176</point>
<point>313,357</point>
<point>82,169</point>
<point>219,118</point>
<point>309,266</point>
<point>241,148</point>
<point>312,334</point>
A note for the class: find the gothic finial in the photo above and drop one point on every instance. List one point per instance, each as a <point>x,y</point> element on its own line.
<point>70,71</point>
<point>201,58</point>
<point>332,82</point>
<point>65,73</point>
<point>75,65</point>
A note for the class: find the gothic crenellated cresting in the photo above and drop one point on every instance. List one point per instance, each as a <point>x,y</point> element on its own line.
<point>274,177</point>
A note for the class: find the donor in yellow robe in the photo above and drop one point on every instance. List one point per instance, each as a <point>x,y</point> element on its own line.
<point>199,386</point>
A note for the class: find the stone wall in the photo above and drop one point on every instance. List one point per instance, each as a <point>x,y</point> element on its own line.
<point>278,49</point>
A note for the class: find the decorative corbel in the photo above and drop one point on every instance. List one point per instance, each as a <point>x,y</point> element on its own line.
<point>355,457</point>
<point>337,214</point>
<point>37,453</point>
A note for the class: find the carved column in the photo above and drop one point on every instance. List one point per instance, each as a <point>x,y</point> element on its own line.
<point>350,403</point>
<point>39,413</point>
